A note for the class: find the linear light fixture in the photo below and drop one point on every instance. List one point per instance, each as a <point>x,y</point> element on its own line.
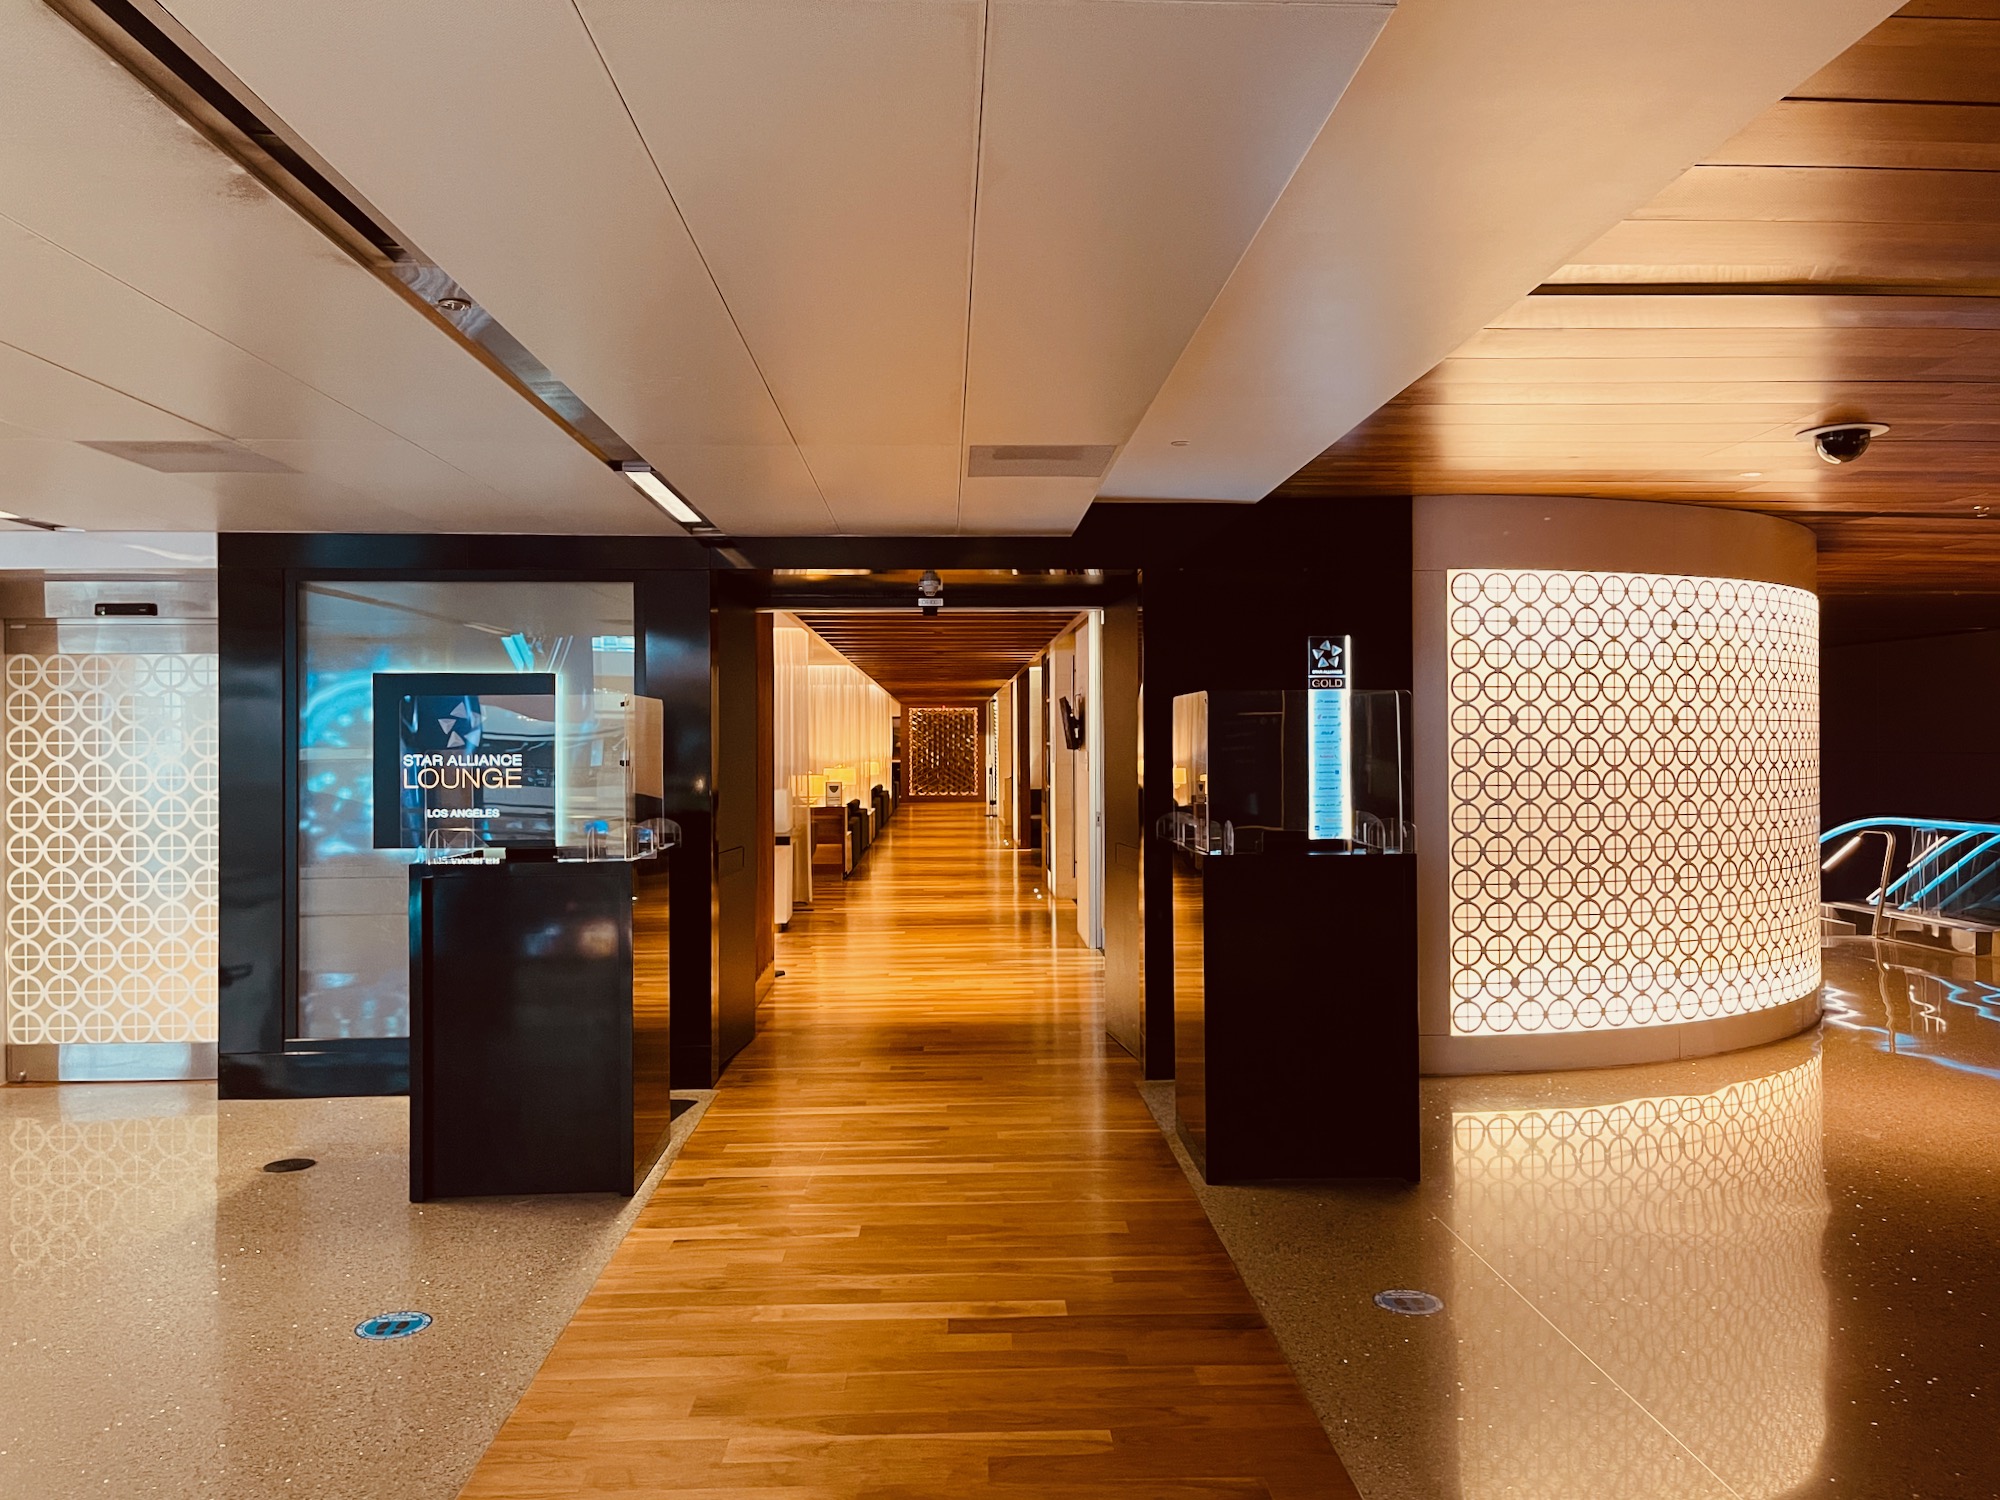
<point>657,490</point>
<point>145,39</point>
<point>10,518</point>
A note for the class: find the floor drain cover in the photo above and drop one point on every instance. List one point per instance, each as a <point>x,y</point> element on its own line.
<point>1410,1304</point>
<point>395,1325</point>
<point>290,1164</point>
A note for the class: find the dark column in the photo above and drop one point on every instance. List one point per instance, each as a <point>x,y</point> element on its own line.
<point>1233,612</point>
<point>767,820</point>
<point>739,820</point>
<point>1123,983</point>
<point>673,624</point>
<point>253,849</point>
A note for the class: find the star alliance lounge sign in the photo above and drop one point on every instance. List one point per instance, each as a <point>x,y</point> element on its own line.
<point>465,759</point>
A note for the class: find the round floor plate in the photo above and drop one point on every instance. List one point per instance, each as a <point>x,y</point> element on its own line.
<point>1410,1304</point>
<point>395,1325</point>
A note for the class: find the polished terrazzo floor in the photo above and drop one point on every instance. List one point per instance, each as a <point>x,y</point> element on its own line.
<point>1772,1274</point>
<point>177,1322</point>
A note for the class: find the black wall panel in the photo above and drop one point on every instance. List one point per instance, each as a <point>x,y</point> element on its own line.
<point>258,579</point>
<point>1229,608</point>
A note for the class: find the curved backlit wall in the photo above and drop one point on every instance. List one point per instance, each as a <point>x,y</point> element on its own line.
<point>1623,763</point>
<point>1634,799</point>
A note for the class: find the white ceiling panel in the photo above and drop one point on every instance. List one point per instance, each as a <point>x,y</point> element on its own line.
<point>1482,145</point>
<point>889,488</point>
<point>143,262</point>
<point>1130,153</point>
<point>75,486</point>
<point>48,400</point>
<point>490,132</point>
<point>1024,507</point>
<point>821,153</point>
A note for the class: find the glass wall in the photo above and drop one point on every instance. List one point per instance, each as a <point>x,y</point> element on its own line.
<point>354,898</point>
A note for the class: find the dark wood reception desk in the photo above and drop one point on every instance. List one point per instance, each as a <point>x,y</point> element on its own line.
<point>536,1062</point>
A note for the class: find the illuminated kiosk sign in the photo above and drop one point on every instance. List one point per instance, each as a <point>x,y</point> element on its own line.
<point>465,760</point>
<point>1329,797</point>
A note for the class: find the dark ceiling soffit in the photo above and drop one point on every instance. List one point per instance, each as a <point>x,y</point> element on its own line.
<point>396,552</point>
<point>803,597</point>
<point>1972,289</point>
<point>1114,534</point>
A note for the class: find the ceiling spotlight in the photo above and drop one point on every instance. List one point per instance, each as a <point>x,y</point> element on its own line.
<point>1842,442</point>
<point>1177,442</point>
<point>657,490</point>
<point>453,304</point>
<point>1753,474</point>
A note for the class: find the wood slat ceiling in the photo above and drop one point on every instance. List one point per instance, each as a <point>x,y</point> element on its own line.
<point>951,658</point>
<point>1839,259</point>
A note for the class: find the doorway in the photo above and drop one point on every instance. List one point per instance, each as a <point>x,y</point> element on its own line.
<point>1018,710</point>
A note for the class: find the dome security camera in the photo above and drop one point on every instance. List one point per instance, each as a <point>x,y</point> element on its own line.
<point>1843,442</point>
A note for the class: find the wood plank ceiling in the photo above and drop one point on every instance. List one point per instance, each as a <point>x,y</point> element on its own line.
<point>1839,259</point>
<point>950,658</point>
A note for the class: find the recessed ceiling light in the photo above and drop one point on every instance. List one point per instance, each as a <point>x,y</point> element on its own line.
<point>1753,474</point>
<point>1177,443</point>
<point>453,304</point>
<point>660,493</point>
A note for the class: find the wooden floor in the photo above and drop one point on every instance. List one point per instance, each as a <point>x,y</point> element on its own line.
<point>927,1242</point>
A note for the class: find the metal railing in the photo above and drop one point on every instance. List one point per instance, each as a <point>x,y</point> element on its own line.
<point>1934,873</point>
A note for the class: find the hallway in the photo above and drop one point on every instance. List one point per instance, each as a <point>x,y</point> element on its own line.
<point>927,1241</point>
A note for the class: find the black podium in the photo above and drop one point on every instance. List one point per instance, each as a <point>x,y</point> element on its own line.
<point>525,1072</point>
<point>1295,1015</point>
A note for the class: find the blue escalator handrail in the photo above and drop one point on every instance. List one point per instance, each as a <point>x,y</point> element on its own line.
<point>1862,825</point>
<point>1948,857</point>
<point>1922,865</point>
<point>1991,841</point>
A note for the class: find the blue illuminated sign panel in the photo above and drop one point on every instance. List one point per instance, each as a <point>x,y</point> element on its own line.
<point>1330,798</point>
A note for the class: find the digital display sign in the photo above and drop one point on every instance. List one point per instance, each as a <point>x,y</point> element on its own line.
<point>465,760</point>
<point>1330,799</point>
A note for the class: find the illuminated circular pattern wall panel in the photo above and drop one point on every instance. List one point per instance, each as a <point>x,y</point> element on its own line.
<point>110,831</point>
<point>1633,799</point>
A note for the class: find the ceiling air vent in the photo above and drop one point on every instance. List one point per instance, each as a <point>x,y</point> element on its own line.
<point>194,457</point>
<point>1039,460</point>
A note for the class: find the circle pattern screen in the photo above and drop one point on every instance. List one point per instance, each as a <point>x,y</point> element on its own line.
<point>110,847</point>
<point>1634,796</point>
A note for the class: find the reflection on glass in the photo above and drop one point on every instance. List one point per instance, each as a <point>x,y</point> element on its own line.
<point>353,898</point>
<point>1677,1241</point>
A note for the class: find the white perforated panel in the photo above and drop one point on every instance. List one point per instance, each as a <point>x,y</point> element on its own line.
<point>1634,798</point>
<point>110,847</point>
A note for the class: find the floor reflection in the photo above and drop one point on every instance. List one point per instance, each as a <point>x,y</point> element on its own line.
<point>92,1172</point>
<point>1676,1240</point>
<point>1933,1007</point>
<point>178,1322</point>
